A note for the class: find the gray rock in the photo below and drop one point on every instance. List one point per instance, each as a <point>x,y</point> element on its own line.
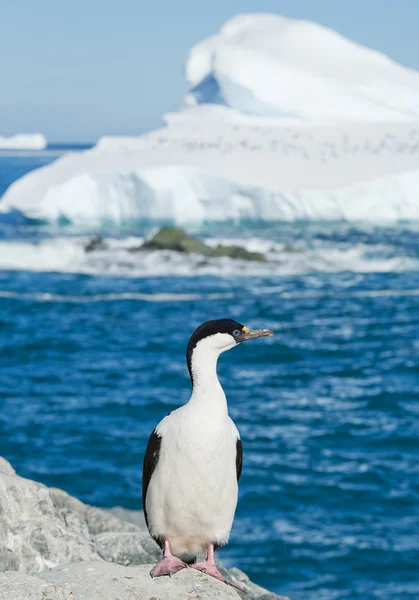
<point>101,581</point>
<point>96,520</point>
<point>6,468</point>
<point>18,586</point>
<point>101,521</point>
<point>130,516</point>
<point>254,591</point>
<point>42,528</point>
<point>9,561</point>
<point>64,501</point>
<point>127,548</point>
<point>34,533</point>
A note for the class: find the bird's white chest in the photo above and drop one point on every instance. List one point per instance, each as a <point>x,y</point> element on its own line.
<point>193,489</point>
<point>204,450</point>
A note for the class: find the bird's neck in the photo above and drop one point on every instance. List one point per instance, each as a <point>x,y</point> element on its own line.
<point>207,392</point>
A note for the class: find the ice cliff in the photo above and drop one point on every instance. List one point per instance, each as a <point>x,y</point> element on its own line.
<point>284,120</point>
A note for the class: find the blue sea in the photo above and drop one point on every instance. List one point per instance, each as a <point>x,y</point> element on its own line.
<point>93,348</point>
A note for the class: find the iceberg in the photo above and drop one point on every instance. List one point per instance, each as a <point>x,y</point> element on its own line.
<point>24,141</point>
<point>284,120</point>
<point>276,66</point>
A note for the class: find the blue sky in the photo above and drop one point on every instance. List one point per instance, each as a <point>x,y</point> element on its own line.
<point>77,70</point>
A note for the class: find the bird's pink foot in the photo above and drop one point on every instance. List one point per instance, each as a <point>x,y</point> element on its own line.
<point>210,569</point>
<point>168,566</point>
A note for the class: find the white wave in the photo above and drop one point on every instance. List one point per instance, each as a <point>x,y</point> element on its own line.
<point>163,297</point>
<point>174,297</point>
<point>348,294</point>
<point>122,258</point>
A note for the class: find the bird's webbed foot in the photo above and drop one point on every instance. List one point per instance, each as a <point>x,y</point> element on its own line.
<point>209,568</point>
<point>169,564</point>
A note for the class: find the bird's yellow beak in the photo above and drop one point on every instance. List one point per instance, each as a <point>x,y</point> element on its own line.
<point>249,334</point>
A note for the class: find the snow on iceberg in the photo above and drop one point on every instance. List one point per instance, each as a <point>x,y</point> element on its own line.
<point>272,65</point>
<point>334,135</point>
<point>24,141</point>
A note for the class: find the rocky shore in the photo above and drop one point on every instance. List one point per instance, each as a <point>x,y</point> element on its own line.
<point>54,547</point>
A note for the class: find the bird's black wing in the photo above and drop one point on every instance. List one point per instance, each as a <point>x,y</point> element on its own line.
<point>151,458</point>
<point>239,458</point>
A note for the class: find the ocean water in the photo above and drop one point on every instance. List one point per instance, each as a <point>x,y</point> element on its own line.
<point>93,347</point>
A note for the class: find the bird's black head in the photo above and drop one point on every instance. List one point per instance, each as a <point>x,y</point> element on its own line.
<point>219,335</point>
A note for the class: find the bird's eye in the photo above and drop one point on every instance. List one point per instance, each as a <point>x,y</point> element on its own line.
<point>236,332</point>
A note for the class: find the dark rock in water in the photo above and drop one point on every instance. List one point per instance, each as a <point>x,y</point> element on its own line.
<point>54,547</point>
<point>290,248</point>
<point>176,239</point>
<point>96,243</point>
<point>239,253</point>
<point>193,246</point>
<point>173,238</point>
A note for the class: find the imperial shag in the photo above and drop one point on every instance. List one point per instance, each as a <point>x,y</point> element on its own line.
<point>193,460</point>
